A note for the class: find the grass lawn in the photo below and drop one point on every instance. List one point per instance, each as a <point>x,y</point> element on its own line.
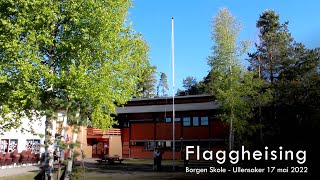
<point>134,169</point>
<point>129,169</point>
<point>26,176</point>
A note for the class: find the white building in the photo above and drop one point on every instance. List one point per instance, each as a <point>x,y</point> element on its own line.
<point>15,139</point>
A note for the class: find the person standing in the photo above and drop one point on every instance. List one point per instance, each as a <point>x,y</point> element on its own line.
<point>159,167</point>
<point>155,158</point>
<point>184,157</point>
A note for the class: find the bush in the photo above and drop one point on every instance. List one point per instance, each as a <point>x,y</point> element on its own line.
<point>76,154</point>
<point>77,173</point>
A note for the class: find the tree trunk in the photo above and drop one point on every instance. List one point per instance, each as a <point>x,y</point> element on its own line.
<point>70,162</point>
<point>49,141</point>
<point>231,134</point>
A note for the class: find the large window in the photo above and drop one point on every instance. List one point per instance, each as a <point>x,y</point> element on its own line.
<point>33,145</point>
<point>195,121</point>
<point>137,143</point>
<point>190,143</point>
<point>150,145</point>
<point>204,120</point>
<point>8,145</point>
<point>177,145</point>
<point>168,119</point>
<point>4,145</point>
<point>186,121</point>
<point>168,145</point>
<point>160,119</point>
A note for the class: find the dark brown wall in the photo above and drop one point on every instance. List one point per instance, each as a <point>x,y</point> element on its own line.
<point>142,131</point>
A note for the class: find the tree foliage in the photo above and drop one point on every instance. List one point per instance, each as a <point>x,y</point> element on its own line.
<point>275,42</point>
<point>163,85</point>
<point>291,72</point>
<point>191,87</point>
<point>79,56</point>
<point>189,82</point>
<point>233,86</point>
<point>59,54</point>
<point>147,84</point>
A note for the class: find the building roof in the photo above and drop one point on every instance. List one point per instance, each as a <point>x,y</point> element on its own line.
<point>168,107</point>
<point>170,97</point>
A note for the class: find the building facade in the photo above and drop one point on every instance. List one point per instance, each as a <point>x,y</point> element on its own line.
<point>148,123</point>
<point>24,140</point>
<point>143,124</point>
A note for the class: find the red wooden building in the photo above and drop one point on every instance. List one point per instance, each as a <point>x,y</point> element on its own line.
<point>147,122</point>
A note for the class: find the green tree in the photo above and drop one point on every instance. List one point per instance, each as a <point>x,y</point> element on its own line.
<point>80,56</point>
<point>189,82</point>
<point>233,86</point>
<point>291,73</point>
<point>191,86</point>
<point>163,85</point>
<point>274,43</point>
<point>147,83</point>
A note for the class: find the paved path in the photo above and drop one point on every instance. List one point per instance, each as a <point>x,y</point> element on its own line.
<point>7,172</point>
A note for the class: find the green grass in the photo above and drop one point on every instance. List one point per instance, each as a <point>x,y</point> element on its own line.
<point>26,176</point>
<point>133,169</point>
<point>130,169</point>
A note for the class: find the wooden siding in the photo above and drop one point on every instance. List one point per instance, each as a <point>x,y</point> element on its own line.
<point>195,132</point>
<point>142,131</point>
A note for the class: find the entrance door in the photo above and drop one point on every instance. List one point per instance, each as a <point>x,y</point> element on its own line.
<point>100,149</point>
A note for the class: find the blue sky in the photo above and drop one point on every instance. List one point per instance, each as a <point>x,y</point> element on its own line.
<point>192,19</point>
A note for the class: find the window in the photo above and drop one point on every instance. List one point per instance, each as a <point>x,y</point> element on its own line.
<point>135,143</point>
<point>204,121</point>
<point>165,145</point>
<point>168,145</point>
<point>161,144</point>
<point>168,119</point>
<point>186,121</point>
<point>177,145</point>
<point>4,145</point>
<point>150,145</point>
<point>8,145</point>
<point>160,119</point>
<point>177,119</point>
<point>190,143</point>
<point>13,145</point>
<point>195,121</point>
<point>33,145</point>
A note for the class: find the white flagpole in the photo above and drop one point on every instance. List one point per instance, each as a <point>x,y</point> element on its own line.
<point>173,111</point>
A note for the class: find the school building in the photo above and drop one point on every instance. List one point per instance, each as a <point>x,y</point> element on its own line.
<point>147,122</point>
<point>143,123</point>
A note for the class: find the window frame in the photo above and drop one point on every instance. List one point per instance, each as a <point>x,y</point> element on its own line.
<point>193,120</point>
<point>183,121</point>
<point>201,121</point>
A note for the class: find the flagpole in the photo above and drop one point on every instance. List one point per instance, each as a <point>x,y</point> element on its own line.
<point>173,111</point>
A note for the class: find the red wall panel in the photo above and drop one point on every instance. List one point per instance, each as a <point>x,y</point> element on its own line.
<point>199,132</point>
<point>142,131</point>
<point>125,134</point>
<point>164,131</point>
<point>140,152</point>
<point>219,130</point>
